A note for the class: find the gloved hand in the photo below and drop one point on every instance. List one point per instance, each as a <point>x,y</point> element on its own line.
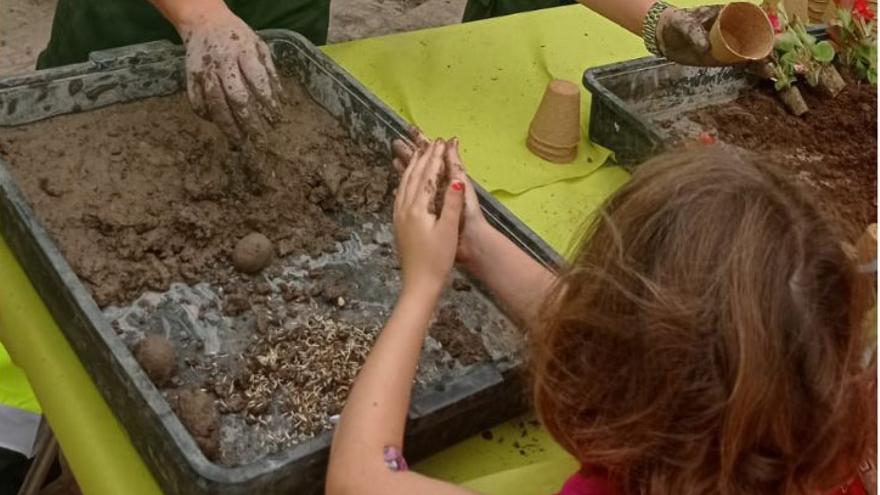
<point>230,77</point>
<point>683,35</point>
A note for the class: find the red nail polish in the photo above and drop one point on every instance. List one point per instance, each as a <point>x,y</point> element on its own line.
<point>457,185</point>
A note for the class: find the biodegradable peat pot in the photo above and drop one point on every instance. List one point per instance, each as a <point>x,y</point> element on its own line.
<point>794,101</point>
<point>551,153</point>
<point>821,11</point>
<point>830,81</point>
<point>555,131</point>
<point>742,33</point>
<point>799,7</point>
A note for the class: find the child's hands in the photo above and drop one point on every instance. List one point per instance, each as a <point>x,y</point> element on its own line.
<point>474,223</point>
<point>426,243</point>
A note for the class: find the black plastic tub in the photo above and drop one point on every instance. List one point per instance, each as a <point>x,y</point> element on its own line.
<point>630,98</point>
<point>440,415</point>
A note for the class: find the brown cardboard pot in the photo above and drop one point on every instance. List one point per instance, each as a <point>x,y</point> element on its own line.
<point>742,33</point>
<point>555,131</point>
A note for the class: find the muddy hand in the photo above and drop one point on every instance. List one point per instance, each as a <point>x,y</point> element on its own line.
<point>426,242</point>
<point>230,77</point>
<point>403,150</point>
<point>683,35</point>
<point>473,222</point>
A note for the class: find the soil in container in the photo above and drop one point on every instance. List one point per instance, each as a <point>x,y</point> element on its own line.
<point>147,203</point>
<point>832,148</point>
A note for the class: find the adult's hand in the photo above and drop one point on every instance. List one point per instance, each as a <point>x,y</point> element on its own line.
<point>683,35</point>
<point>230,77</point>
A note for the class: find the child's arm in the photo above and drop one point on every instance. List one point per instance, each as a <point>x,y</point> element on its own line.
<point>518,282</point>
<point>374,416</point>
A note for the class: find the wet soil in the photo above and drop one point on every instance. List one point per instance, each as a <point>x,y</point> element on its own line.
<point>147,203</point>
<point>832,148</point>
<point>455,337</point>
<point>145,194</point>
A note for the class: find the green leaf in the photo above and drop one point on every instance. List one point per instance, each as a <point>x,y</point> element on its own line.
<point>823,52</point>
<point>806,38</point>
<point>786,42</point>
<point>789,58</point>
<point>845,16</point>
<point>782,84</point>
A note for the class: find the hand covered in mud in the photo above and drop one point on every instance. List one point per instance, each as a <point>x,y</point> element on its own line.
<point>426,242</point>
<point>230,77</point>
<point>473,221</point>
<point>683,35</point>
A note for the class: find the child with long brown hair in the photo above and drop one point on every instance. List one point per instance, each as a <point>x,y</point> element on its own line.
<point>706,338</point>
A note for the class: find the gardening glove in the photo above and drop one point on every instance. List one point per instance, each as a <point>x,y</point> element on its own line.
<point>230,77</point>
<point>683,35</point>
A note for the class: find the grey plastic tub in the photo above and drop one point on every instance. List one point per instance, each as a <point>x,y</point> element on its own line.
<point>630,98</point>
<point>441,414</point>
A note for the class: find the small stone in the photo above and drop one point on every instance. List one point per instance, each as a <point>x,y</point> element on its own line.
<point>236,304</point>
<point>263,288</point>
<point>157,357</point>
<point>197,412</point>
<point>235,403</point>
<point>252,253</point>
<point>333,293</point>
<point>49,187</point>
<point>288,292</point>
<point>263,321</point>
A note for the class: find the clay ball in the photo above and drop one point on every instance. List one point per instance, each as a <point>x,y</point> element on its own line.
<point>199,415</point>
<point>157,357</point>
<point>252,253</point>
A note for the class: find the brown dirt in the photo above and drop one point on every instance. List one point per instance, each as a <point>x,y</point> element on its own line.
<point>199,416</point>
<point>146,198</point>
<point>457,338</point>
<point>157,357</point>
<point>832,149</point>
<point>443,180</point>
<point>142,196</point>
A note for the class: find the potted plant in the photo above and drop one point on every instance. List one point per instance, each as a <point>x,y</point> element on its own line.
<point>854,34</point>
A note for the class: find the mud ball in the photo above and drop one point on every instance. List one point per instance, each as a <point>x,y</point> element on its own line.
<point>199,415</point>
<point>252,253</point>
<point>157,357</point>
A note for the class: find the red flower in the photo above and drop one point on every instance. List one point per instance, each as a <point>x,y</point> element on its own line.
<point>861,9</point>
<point>774,20</point>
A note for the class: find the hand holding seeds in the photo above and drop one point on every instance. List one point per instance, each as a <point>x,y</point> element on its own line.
<point>473,222</point>
<point>230,77</point>
<point>426,242</point>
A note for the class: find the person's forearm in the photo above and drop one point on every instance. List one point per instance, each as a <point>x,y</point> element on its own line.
<point>375,413</point>
<point>183,12</point>
<point>629,14</point>
<point>518,282</point>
